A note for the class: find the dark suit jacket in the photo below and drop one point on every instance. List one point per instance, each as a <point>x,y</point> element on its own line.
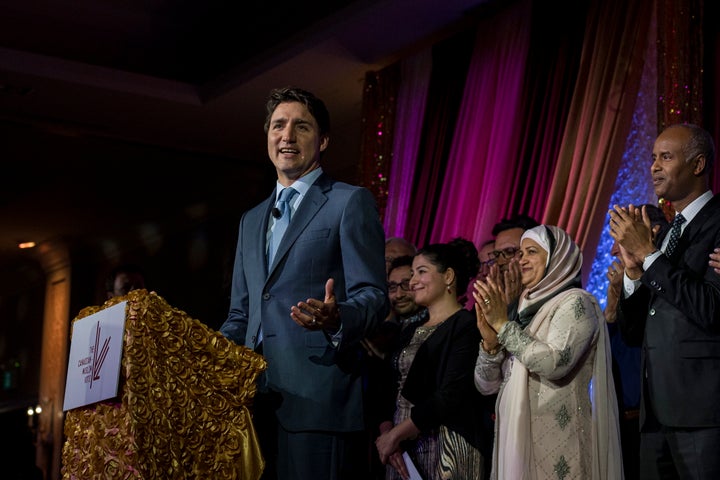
<point>335,233</point>
<point>440,382</point>
<point>677,310</point>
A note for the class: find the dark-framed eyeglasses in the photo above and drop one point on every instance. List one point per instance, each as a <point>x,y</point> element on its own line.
<point>488,263</point>
<point>506,253</point>
<point>393,286</point>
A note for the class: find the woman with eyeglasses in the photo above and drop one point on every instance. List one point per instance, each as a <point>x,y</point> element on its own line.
<point>556,414</point>
<point>434,414</point>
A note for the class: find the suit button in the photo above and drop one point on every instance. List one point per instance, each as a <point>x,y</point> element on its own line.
<point>654,283</point>
<point>652,311</point>
<point>266,296</point>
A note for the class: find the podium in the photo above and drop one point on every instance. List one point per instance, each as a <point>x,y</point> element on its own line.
<point>183,410</point>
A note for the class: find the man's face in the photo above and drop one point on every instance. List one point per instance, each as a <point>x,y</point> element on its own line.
<point>125,282</point>
<point>672,176</point>
<point>401,297</point>
<point>294,141</point>
<point>487,258</point>
<point>507,246</point>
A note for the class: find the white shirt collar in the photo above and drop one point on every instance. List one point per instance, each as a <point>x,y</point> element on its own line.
<point>694,207</point>
<point>302,184</point>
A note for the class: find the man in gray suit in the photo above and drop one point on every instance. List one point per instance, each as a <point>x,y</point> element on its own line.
<point>671,299</point>
<point>307,309</point>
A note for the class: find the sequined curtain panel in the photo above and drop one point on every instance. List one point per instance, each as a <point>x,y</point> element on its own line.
<point>680,49</point>
<point>378,118</point>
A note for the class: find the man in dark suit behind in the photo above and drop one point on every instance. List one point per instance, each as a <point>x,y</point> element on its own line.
<point>308,308</point>
<point>672,299</point>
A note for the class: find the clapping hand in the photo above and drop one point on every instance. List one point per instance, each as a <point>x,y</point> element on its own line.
<point>715,260</point>
<point>614,292</point>
<point>631,228</point>
<point>490,304</point>
<point>509,281</point>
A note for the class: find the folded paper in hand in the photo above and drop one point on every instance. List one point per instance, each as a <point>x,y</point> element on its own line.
<point>414,474</point>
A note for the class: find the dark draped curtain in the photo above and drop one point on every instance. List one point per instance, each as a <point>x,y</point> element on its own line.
<point>450,62</point>
<point>553,63</point>
<point>601,112</point>
<point>711,78</point>
<point>536,115</point>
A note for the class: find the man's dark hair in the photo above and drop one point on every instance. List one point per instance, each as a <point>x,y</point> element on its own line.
<point>401,261</point>
<point>315,106</point>
<point>521,220</point>
<point>700,143</point>
<point>130,268</point>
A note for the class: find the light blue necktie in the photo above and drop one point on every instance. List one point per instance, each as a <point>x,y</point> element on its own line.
<point>281,224</point>
<point>674,234</point>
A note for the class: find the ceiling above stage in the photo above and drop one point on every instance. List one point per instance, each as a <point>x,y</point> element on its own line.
<point>119,116</point>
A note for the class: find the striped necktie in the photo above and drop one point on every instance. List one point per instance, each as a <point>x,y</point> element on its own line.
<point>674,234</point>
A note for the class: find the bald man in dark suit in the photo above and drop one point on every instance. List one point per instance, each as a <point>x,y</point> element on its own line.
<point>671,297</point>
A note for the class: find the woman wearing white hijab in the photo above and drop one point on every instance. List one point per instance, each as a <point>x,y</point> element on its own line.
<point>556,411</point>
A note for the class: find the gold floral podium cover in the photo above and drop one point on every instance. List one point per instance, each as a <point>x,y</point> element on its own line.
<point>184,410</point>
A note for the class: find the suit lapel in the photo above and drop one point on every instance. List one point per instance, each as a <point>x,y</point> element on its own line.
<point>664,230</point>
<point>695,227</point>
<point>314,199</point>
<point>264,212</point>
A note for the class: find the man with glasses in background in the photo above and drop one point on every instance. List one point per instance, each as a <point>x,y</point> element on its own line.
<point>403,312</point>
<point>507,234</point>
<point>486,254</point>
<point>403,309</point>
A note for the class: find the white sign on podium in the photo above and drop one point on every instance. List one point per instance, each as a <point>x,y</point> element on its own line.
<point>93,372</point>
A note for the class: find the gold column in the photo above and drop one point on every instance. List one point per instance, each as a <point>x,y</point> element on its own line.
<point>55,260</point>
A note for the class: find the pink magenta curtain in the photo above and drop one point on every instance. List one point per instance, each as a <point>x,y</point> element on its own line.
<point>409,112</point>
<point>483,155</point>
<point>450,60</point>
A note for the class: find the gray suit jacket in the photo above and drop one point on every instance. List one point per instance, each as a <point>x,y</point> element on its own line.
<point>677,312</point>
<point>335,233</point>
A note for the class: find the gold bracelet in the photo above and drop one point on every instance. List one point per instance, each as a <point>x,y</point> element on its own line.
<point>493,351</point>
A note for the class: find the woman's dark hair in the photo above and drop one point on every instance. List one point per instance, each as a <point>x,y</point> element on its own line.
<point>315,106</point>
<point>459,254</point>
